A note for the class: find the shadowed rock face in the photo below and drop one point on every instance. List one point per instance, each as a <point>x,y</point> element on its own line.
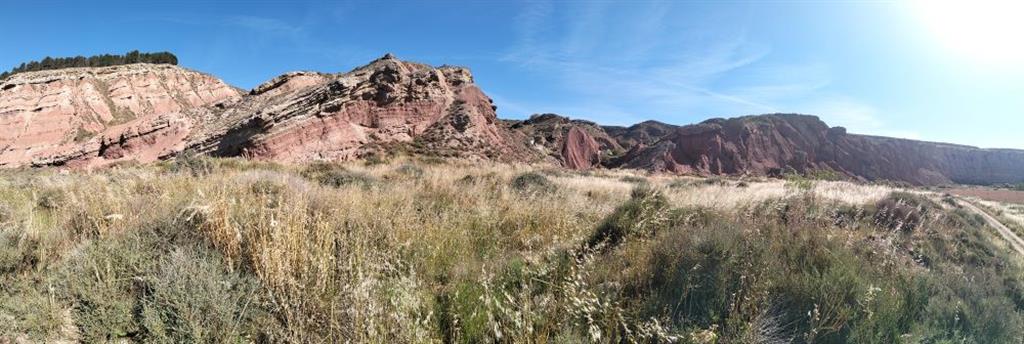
<point>763,144</point>
<point>95,116</point>
<point>311,116</point>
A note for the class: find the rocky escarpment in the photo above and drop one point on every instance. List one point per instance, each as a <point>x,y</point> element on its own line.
<point>142,112</point>
<point>574,144</point>
<point>387,104</point>
<point>770,143</point>
<point>645,133</point>
<point>95,116</point>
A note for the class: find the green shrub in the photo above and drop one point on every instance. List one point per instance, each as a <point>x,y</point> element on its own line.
<point>375,159</point>
<point>339,179</point>
<point>104,285</point>
<point>6,216</point>
<point>824,174</point>
<point>192,163</point>
<point>161,284</point>
<point>17,252</point>
<point>633,179</point>
<point>336,176</point>
<point>28,310</point>
<point>644,214</point>
<point>409,170</point>
<point>50,199</point>
<point>532,182</point>
<point>680,184</point>
<point>950,200</point>
<point>192,298</point>
<point>714,181</point>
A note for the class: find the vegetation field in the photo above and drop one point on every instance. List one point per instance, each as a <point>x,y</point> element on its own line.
<point>425,251</point>
<point>992,194</point>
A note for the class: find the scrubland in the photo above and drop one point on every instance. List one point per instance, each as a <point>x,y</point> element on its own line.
<point>420,250</point>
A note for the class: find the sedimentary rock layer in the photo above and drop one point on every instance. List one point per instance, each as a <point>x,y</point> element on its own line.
<point>71,115</point>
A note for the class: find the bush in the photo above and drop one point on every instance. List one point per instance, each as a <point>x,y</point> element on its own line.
<point>340,178</point>
<point>192,163</point>
<point>633,179</point>
<point>902,211</point>
<point>192,298</point>
<point>104,286</point>
<point>160,284</point>
<point>680,184</point>
<point>531,183</point>
<point>17,252</point>
<point>714,181</point>
<point>332,175</point>
<point>409,170</point>
<point>28,311</point>
<point>50,199</point>
<point>643,215</point>
<point>6,215</point>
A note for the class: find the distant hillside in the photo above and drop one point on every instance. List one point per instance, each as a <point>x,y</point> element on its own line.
<point>105,60</point>
<point>147,112</point>
<point>768,144</point>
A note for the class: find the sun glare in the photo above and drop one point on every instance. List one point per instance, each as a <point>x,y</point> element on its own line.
<point>988,31</point>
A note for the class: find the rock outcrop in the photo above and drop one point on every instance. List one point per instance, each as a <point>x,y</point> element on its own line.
<point>141,112</point>
<point>644,133</point>
<point>95,116</point>
<point>767,144</point>
<point>388,104</point>
<point>574,144</point>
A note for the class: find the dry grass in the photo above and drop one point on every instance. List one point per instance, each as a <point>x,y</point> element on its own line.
<point>409,251</point>
<point>991,194</point>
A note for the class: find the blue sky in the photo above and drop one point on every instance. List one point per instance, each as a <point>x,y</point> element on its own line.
<point>882,68</point>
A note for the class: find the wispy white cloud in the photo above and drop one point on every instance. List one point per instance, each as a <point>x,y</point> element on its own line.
<point>855,116</point>
<point>600,60</point>
<point>614,67</point>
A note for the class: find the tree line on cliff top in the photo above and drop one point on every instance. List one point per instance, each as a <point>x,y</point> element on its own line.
<point>105,60</point>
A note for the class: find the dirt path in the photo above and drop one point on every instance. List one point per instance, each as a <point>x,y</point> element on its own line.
<point>1015,241</point>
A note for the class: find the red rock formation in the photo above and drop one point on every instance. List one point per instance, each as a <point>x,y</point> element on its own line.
<point>575,144</point>
<point>644,133</point>
<point>98,116</point>
<point>763,144</point>
<point>307,116</point>
<point>579,150</point>
<point>71,116</point>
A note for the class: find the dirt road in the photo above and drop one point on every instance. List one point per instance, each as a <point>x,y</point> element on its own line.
<point>1015,241</point>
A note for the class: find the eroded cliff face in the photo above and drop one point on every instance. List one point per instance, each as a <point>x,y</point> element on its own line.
<point>766,144</point>
<point>96,116</point>
<point>312,116</point>
<point>645,133</point>
<point>574,144</point>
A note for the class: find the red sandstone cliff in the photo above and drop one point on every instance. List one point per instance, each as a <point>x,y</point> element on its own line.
<point>764,144</point>
<point>313,116</point>
<point>141,112</point>
<point>95,116</point>
<point>574,144</point>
